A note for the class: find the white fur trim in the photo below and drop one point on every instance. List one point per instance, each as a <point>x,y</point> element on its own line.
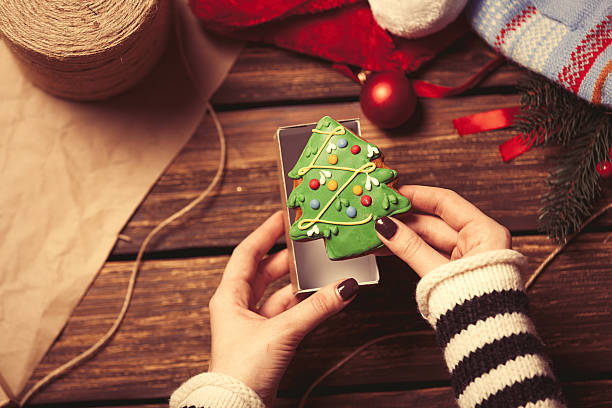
<point>415,18</point>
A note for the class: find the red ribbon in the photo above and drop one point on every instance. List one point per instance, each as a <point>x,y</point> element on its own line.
<point>483,121</point>
<point>516,146</point>
<point>426,89</point>
<point>477,122</point>
<point>496,119</point>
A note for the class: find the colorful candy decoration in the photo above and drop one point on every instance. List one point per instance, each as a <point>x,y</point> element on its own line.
<point>348,229</point>
<point>314,184</point>
<point>333,159</point>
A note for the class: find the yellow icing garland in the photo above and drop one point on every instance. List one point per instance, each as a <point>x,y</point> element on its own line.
<point>340,130</point>
<point>367,168</point>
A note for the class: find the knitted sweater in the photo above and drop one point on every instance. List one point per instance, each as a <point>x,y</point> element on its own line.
<point>568,41</point>
<point>478,308</point>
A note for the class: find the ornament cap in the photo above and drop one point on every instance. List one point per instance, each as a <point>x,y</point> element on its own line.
<point>362,76</point>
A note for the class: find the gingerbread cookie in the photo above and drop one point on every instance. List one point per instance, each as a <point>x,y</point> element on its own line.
<point>341,188</point>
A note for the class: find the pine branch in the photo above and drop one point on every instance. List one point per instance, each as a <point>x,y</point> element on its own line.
<point>585,130</point>
<point>574,185</point>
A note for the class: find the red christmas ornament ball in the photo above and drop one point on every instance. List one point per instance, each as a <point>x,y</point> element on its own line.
<point>314,184</point>
<point>604,169</point>
<point>366,200</point>
<point>387,99</point>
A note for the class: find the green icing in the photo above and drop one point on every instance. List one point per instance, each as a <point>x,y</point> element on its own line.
<point>385,202</point>
<point>342,241</point>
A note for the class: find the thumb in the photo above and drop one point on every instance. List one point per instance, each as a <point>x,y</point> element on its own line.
<point>328,301</point>
<point>408,245</point>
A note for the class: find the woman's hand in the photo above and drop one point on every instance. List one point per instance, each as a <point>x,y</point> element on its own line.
<point>255,345</point>
<point>448,227</point>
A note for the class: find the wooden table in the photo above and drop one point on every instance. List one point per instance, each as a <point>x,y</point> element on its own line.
<point>165,338</point>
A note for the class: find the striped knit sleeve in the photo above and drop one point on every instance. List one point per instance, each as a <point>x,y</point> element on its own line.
<point>478,308</point>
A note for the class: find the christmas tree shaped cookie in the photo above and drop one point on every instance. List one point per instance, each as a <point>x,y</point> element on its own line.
<point>341,188</point>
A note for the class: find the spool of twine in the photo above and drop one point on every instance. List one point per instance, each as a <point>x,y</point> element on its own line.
<point>85,50</point>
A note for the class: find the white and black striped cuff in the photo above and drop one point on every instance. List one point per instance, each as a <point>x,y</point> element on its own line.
<point>479,310</point>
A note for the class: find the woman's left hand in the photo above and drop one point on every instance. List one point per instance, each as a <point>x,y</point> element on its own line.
<point>255,345</point>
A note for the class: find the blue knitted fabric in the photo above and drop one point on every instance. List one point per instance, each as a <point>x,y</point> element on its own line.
<point>568,41</point>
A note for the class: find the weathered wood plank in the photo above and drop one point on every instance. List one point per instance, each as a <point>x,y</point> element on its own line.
<point>426,151</point>
<point>587,394</point>
<point>264,74</point>
<point>165,338</point>
<point>590,394</point>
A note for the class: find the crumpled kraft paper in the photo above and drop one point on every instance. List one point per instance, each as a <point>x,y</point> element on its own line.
<point>71,174</point>
<point>4,400</point>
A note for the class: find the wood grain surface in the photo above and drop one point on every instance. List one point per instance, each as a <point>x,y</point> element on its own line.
<point>586,394</point>
<point>425,151</point>
<point>165,338</point>
<point>264,74</point>
<point>590,394</point>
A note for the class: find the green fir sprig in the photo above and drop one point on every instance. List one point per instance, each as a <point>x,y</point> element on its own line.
<point>552,115</point>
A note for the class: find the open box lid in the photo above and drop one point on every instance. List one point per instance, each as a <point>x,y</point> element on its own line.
<point>310,267</point>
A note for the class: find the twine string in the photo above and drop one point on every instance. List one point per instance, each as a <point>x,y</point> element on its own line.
<point>562,246</point>
<point>386,337</point>
<point>64,368</point>
<point>92,350</point>
<point>85,50</point>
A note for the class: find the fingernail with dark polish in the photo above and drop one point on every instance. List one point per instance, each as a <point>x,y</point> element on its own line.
<point>386,227</point>
<point>348,288</point>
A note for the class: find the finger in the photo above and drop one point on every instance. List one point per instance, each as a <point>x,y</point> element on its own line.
<point>269,270</point>
<point>383,251</point>
<point>309,313</point>
<point>243,263</point>
<point>406,244</point>
<point>278,302</point>
<point>433,230</point>
<point>446,204</point>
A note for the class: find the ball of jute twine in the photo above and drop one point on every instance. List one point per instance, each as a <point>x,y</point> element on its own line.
<point>85,50</point>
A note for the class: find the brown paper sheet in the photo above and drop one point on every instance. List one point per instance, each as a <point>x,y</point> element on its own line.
<point>4,399</point>
<point>71,174</point>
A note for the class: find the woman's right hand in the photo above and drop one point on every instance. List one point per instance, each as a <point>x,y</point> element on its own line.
<point>447,227</point>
